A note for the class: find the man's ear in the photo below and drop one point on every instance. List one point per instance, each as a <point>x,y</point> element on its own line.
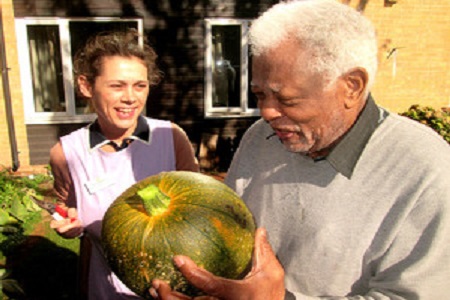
<point>355,83</point>
<point>84,86</point>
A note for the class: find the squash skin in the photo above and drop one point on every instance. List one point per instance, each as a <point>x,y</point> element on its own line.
<point>205,220</point>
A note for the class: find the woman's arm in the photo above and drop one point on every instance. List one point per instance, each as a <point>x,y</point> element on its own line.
<point>184,152</point>
<point>63,188</point>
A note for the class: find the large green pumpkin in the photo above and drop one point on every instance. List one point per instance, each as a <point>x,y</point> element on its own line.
<point>172,213</point>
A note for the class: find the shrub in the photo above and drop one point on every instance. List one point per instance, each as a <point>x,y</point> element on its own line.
<point>18,214</point>
<point>35,262</point>
<point>438,120</point>
<point>15,202</point>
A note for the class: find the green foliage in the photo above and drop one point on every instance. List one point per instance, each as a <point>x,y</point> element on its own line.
<point>438,120</point>
<point>9,285</point>
<point>18,214</point>
<point>15,202</point>
<point>34,260</point>
<point>17,209</point>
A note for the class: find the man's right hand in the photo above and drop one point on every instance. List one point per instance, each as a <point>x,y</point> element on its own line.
<point>264,281</point>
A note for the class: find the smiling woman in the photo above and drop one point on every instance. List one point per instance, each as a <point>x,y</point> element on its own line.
<point>95,164</point>
<point>118,95</point>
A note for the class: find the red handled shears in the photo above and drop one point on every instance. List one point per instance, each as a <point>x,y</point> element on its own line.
<point>57,212</point>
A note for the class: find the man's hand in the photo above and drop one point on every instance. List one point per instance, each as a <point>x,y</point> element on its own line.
<point>264,281</point>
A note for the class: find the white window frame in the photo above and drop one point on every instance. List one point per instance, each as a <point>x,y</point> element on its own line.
<point>227,112</point>
<point>69,116</point>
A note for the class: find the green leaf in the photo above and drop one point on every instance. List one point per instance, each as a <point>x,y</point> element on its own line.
<point>18,210</point>
<point>4,217</point>
<point>8,229</point>
<point>13,287</point>
<point>29,204</point>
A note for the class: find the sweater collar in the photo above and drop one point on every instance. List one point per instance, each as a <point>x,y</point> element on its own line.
<point>97,139</point>
<point>347,152</point>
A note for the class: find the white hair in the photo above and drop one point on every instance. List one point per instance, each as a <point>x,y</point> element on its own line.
<point>334,36</point>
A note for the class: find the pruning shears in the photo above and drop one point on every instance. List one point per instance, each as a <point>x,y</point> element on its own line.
<point>57,212</point>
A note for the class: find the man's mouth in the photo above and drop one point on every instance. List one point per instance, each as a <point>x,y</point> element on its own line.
<point>284,134</point>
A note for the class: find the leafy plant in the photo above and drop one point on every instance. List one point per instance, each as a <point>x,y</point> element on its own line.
<point>15,202</point>
<point>8,284</point>
<point>34,260</point>
<point>438,120</point>
<point>18,213</point>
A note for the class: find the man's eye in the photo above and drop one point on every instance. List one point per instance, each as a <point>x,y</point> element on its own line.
<point>288,101</point>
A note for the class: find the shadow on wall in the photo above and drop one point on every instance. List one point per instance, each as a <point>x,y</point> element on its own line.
<point>216,152</point>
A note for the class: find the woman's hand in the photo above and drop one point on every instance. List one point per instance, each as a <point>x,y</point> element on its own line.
<point>69,227</point>
<point>265,280</point>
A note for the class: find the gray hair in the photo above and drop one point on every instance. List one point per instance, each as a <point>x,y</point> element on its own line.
<point>335,37</point>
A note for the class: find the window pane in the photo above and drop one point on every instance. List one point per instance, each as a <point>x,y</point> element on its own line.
<point>45,57</point>
<point>226,67</point>
<point>80,31</point>
<point>252,100</point>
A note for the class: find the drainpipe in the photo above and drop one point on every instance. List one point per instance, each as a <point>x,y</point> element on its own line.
<point>8,103</point>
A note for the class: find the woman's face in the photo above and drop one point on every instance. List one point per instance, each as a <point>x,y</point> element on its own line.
<point>118,94</point>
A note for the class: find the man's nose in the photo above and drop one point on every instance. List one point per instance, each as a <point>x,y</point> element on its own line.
<point>270,108</point>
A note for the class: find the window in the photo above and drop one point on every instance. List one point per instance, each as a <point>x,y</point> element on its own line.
<point>227,69</point>
<point>46,47</point>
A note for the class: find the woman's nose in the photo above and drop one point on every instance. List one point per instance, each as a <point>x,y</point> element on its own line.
<point>129,95</point>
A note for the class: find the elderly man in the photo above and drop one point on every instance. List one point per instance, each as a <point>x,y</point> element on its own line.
<point>355,199</point>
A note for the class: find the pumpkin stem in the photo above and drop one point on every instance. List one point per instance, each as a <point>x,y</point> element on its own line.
<point>155,201</point>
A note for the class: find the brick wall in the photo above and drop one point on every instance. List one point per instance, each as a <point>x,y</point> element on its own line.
<point>420,70</point>
<point>419,73</point>
<point>7,22</point>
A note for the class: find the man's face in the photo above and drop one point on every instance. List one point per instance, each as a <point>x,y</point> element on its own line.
<point>119,94</point>
<point>305,118</point>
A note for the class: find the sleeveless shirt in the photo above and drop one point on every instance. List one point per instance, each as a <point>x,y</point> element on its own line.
<point>99,177</point>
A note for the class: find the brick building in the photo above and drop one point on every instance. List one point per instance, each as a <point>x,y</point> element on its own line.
<point>188,36</point>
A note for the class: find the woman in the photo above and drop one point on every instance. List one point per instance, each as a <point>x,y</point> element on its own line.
<point>95,164</point>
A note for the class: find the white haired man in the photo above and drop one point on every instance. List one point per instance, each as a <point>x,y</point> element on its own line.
<point>355,199</point>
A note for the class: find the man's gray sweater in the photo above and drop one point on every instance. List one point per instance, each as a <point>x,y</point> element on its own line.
<point>371,221</point>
